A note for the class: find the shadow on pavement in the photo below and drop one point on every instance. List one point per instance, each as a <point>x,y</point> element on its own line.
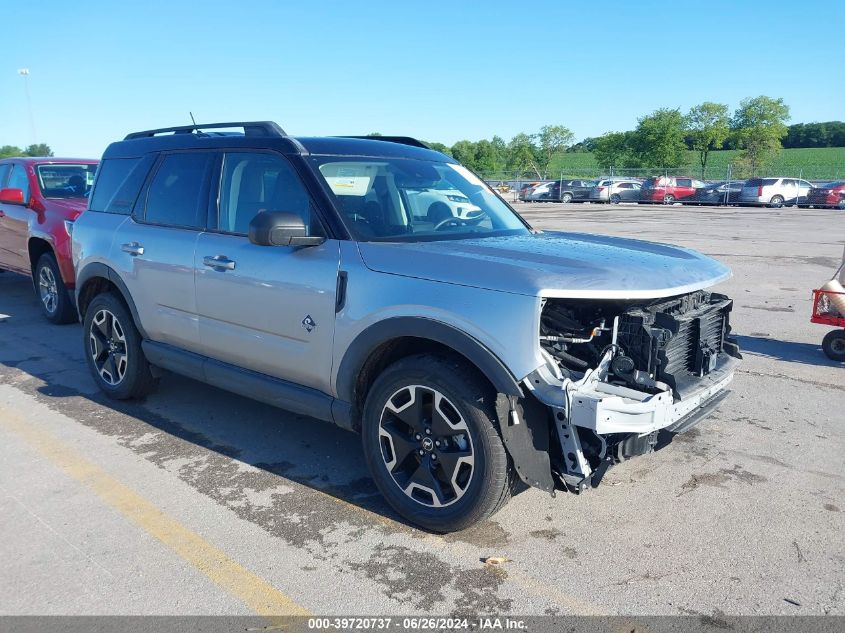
<point>787,351</point>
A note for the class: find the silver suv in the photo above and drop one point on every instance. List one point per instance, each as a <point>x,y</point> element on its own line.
<point>474,355</point>
<point>775,192</point>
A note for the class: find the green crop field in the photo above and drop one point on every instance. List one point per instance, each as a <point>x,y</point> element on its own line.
<point>826,163</point>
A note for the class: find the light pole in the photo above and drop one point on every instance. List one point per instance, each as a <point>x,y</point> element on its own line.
<point>24,72</point>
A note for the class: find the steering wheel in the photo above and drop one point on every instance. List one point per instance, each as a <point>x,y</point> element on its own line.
<point>447,222</point>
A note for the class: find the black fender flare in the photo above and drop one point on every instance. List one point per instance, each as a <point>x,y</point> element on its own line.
<point>97,269</point>
<point>420,327</point>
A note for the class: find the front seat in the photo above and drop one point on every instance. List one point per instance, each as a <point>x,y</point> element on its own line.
<point>438,211</point>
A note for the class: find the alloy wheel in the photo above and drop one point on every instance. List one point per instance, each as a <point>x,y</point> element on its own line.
<point>48,289</point>
<point>107,343</point>
<point>426,446</point>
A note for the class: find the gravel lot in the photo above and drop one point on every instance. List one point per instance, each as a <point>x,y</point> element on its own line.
<point>200,502</point>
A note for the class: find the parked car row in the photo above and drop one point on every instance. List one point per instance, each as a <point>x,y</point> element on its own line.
<point>773,192</point>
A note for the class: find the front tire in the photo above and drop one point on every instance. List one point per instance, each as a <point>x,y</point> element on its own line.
<point>431,441</point>
<point>113,349</point>
<point>56,305</point>
<point>833,345</point>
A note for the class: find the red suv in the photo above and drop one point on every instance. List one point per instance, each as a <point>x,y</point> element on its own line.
<point>39,200</point>
<point>668,189</point>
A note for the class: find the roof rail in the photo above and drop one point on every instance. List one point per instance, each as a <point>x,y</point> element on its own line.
<point>250,128</point>
<point>404,140</point>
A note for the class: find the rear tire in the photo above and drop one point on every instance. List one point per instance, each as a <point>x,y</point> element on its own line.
<point>615,198</point>
<point>567,198</point>
<point>668,199</point>
<point>431,441</point>
<point>833,345</point>
<point>53,295</point>
<point>113,349</point>
<point>776,202</point>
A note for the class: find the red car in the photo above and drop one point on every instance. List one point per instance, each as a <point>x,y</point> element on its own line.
<point>39,200</point>
<point>831,194</point>
<point>668,189</point>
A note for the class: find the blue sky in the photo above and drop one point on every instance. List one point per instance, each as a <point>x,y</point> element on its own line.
<point>441,71</point>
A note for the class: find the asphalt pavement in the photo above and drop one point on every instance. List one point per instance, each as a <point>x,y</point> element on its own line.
<point>197,501</point>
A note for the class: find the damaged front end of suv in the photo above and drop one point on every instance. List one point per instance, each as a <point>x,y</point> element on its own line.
<point>620,379</point>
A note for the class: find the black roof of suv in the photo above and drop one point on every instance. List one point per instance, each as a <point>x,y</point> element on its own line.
<point>266,134</point>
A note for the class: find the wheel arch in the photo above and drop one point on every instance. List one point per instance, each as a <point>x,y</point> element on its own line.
<point>96,278</point>
<point>36,247</point>
<point>385,342</point>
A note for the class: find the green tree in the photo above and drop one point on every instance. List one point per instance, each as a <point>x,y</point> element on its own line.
<point>500,148</point>
<point>758,125</point>
<point>523,153</point>
<point>464,152</point>
<point>485,158</point>
<point>658,140</point>
<point>40,149</point>
<point>7,151</point>
<point>614,149</point>
<point>552,139</point>
<point>439,147</point>
<point>708,126</point>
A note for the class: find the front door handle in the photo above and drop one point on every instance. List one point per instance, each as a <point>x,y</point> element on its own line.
<point>218,262</point>
<point>133,248</point>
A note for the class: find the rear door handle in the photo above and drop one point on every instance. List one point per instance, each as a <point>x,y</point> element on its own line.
<point>133,248</point>
<point>218,262</point>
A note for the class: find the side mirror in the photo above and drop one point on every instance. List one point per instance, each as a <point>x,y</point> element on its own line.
<point>276,228</point>
<point>12,196</point>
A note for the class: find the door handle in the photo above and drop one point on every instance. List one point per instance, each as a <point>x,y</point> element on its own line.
<point>218,262</point>
<point>133,248</point>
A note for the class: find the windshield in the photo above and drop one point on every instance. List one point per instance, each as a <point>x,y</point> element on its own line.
<point>66,180</point>
<point>394,199</point>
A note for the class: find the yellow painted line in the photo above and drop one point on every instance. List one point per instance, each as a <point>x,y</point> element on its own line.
<point>234,578</point>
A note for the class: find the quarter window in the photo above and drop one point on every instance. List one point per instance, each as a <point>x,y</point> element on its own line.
<point>4,171</point>
<point>254,183</point>
<point>118,183</point>
<point>178,193</point>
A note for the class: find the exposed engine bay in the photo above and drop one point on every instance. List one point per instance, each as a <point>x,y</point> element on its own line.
<point>631,374</point>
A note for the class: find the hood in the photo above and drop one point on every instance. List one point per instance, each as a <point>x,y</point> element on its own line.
<point>70,206</point>
<point>552,264</point>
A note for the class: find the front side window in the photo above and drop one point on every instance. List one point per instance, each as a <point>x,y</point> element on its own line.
<point>65,181</point>
<point>253,183</point>
<point>18,180</point>
<point>177,196</point>
<point>396,199</point>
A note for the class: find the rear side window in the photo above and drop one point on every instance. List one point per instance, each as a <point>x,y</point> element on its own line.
<point>178,193</point>
<point>684,182</point>
<point>118,183</point>
<point>767,182</point>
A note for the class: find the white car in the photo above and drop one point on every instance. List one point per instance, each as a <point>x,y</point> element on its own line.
<point>424,203</point>
<point>775,192</point>
<point>616,191</point>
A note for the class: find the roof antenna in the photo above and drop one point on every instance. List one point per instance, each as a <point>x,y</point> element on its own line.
<point>193,120</point>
